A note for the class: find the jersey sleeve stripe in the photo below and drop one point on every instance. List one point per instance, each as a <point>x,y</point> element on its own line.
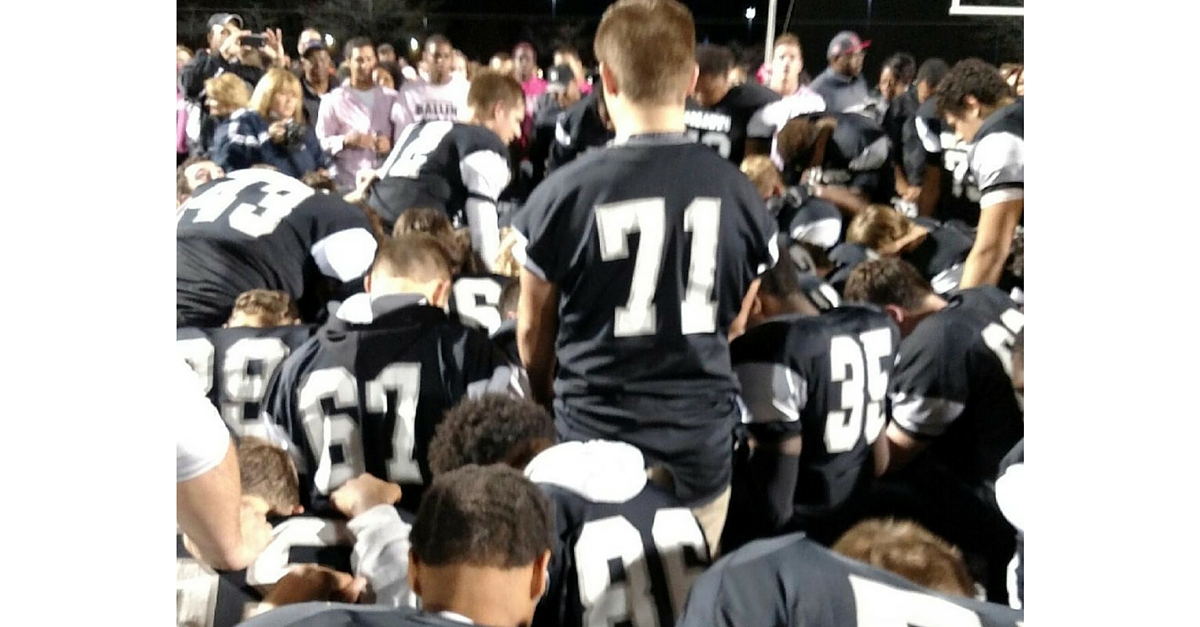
<point>345,255</point>
<point>1002,193</point>
<point>772,393</point>
<point>924,416</point>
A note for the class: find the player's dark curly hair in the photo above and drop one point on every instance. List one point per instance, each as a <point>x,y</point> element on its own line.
<point>484,516</point>
<point>971,77</point>
<point>886,281</point>
<point>492,429</point>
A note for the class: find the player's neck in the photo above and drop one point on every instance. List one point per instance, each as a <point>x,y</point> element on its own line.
<point>788,86</point>
<point>488,596</point>
<point>362,86</point>
<point>931,304</point>
<point>646,119</point>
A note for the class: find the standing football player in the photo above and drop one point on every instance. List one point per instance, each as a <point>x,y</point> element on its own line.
<point>635,262</point>
<point>458,167</point>
<point>986,115</point>
<point>258,228</point>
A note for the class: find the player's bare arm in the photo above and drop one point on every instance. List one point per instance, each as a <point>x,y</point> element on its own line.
<point>993,240</point>
<point>537,328</point>
<point>902,448</point>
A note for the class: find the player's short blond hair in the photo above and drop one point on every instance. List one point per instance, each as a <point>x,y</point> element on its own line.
<point>762,172</point>
<point>909,550</point>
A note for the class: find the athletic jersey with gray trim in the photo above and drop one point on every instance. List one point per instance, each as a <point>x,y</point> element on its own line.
<point>258,228</point>
<point>941,255</point>
<point>804,218</point>
<point>234,366</point>
<point>476,300</point>
<point>323,614</point>
<point>824,378</point>
<point>652,244</point>
<point>726,125</point>
<point>577,130</point>
<point>439,164</point>
<point>626,551</point>
<point>791,581</point>
<point>952,384</point>
<point>367,397</point>
<point>996,158</point>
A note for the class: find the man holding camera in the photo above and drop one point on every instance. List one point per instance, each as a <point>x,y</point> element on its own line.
<point>228,50</point>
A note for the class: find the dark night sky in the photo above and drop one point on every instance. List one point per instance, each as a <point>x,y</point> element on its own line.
<point>923,28</point>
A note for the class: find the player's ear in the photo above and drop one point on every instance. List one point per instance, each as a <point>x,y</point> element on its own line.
<point>896,313</point>
<point>541,576</point>
<point>367,282</point>
<point>695,77</point>
<point>609,80</point>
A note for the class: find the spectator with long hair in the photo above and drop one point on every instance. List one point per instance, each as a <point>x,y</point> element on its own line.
<point>271,129</point>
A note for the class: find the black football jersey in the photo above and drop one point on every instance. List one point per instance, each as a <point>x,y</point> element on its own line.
<point>857,155</point>
<point>724,126</point>
<point>941,255</point>
<point>921,142</point>
<point>791,581</point>
<point>626,551</point>
<point>367,397</point>
<point>258,228</point>
<point>804,218</point>
<point>476,300</point>
<point>824,378</point>
<point>578,130</point>
<point>208,598</point>
<point>845,257</point>
<point>441,164</point>
<point>323,614</point>
<point>647,265</point>
<point>234,366</point>
<point>952,384</point>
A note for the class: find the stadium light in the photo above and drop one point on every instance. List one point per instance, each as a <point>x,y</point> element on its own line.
<point>412,44</point>
<point>750,13</point>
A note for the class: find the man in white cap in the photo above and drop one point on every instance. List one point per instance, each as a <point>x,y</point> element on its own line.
<point>841,85</point>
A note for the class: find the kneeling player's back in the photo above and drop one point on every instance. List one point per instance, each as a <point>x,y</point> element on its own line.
<point>652,244</point>
<point>368,397</point>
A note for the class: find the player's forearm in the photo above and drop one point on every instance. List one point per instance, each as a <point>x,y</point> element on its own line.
<point>984,263</point>
<point>208,508</point>
<point>846,199</point>
<point>485,230</point>
<point>536,346</point>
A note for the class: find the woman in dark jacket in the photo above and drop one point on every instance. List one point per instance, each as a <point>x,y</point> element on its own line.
<point>272,130</point>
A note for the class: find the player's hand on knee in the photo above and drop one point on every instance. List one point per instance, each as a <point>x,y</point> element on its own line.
<point>364,492</point>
